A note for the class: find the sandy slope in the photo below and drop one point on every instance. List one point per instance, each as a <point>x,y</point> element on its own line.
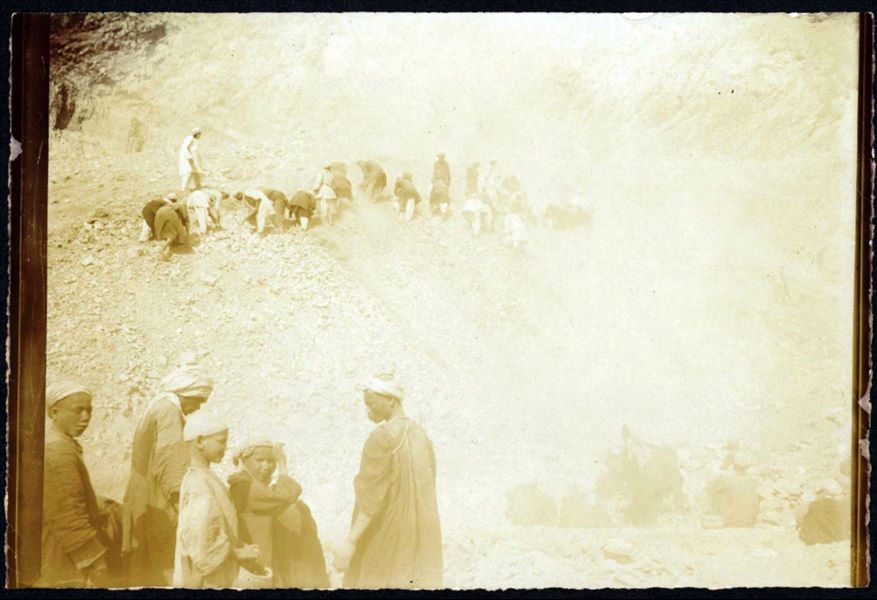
<point>522,368</point>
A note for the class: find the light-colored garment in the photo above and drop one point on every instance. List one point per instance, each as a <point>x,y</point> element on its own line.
<point>265,207</point>
<point>187,380</point>
<point>206,203</point>
<point>149,517</point>
<point>323,186</point>
<point>516,230</point>
<point>189,152</point>
<point>207,532</point>
<point>402,546</point>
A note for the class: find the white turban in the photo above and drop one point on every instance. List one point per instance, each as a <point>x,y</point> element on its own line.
<point>386,385</point>
<point>61,388</point>
<point>188,380</point>
<point>246,449</point>
<point>196,130</point>
<point>202,424</point>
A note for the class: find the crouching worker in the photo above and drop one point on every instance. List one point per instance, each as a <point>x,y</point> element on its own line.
<point>147,228</point>
<point>301,208</point>
<point>407,197</point>
<point>208,552</point>
<point>439,199</point>
<point>206,202</point>
<point>81,541</point>
<point>260,206</point>
<point>172,227</point>
<point>273,517</point>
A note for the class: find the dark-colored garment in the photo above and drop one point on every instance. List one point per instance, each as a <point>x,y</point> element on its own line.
<point>442,170</point>
<point>159,459</point>
<point>374,179</point>
<point>149,210</point>
<point>402,545</point>
<point>172,223</point>
<point>280,202</point>
<point>439,193</point>
<point>342,188</point>
<point>826,520</point>
<point>472,180</point>
<point>78,527</point>
<point>302,204</point>
<point>405,190</point>
<point>274,518</point>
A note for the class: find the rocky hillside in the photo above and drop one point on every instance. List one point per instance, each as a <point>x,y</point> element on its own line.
<point>710,153</point>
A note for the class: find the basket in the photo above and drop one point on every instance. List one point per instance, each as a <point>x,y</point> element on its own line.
<point>250,581</point>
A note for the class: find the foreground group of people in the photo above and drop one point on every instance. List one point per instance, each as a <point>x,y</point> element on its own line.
<point>491,203</point>
<point>181,525</point>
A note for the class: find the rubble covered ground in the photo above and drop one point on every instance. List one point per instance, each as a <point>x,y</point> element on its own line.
<point>704,300</point>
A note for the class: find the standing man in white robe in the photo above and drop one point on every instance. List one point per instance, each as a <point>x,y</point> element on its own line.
<point>190,161</point>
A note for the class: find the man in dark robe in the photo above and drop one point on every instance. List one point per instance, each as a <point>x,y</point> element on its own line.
<point>441,170</point>
<point>439,199</point>
<point>273,517</point>
<point>172,226</point>
<point>395,538</point>
<point>301,207</point>
<point>407,196</point>
<point>81,532</point>
<point>147,230</point>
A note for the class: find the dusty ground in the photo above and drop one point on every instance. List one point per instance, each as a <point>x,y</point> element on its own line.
<point>522,367</point>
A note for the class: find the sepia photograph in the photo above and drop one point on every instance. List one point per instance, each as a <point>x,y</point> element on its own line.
<point>446,300</point>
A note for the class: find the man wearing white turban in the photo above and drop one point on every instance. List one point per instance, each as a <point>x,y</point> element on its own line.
<point>80,535</point>
<point>190,161</point>
<point>395,538</point>
<point>158,463</point>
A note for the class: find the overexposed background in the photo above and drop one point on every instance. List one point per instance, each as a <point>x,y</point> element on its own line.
<point>709,296</point>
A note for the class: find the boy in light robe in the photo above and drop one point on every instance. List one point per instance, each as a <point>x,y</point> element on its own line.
<point>208,552</point>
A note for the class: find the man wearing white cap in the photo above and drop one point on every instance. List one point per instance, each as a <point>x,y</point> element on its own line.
<point>158,463</point>
<point>395,539</point>
<point>190,161</point>
<point>80,541</point>
<point>208,550</point>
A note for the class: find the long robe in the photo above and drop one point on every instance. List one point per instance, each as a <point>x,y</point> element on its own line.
<point>442,171</point>
<point>402,546</point>
<point>76,530</point>
<point>207,532</point>
<point>158,463</point>
<point>274,518</point>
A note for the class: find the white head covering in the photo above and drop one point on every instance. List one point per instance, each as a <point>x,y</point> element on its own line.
<point>202,424</point>
<point>196,130</point>
<point>188,380</point>
<point>386,385</point>
<point>247,448</point>
<point>61,388</point>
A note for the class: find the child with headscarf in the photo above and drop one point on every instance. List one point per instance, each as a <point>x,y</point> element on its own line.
<point>158,462</point>
<point>80,535</point>
<point>273,517</point>
<point>208,551</point>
